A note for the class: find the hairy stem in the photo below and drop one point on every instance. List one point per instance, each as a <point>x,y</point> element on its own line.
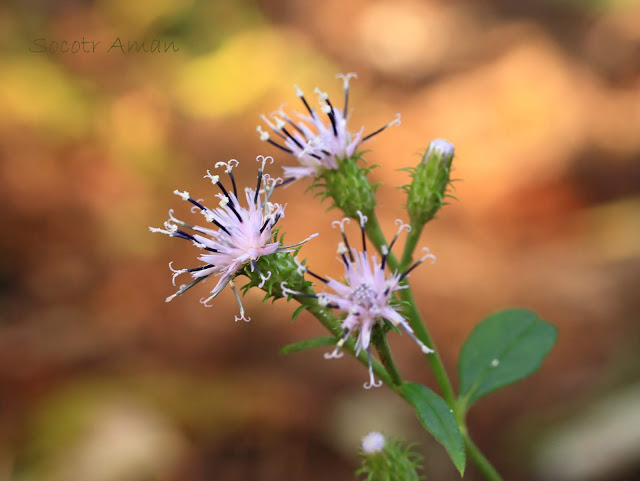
<point>382,346</point>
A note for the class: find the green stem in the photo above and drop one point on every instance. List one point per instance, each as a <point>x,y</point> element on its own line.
<point>382,346</point>
<point>374,232</point>
<point>482,464</point>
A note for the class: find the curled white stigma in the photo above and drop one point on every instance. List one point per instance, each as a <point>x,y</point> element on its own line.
<point>170,227</point>
<point>340,223</point>
<point>336,353</point>
<point>286,291</point>
<point>372,382</point>
<point>402,225</point>
<point>177,221</point>
<point>345,78</point>
<point>264,160</point>
<point>280,110</point>
<point>206,301</point>
<point>363,218</point>
<point>185,195</point>
<point>229,165</point>
<point>326,109</point>
<point>427,255</point>
<point>264,279</point>
<point>241,317</point>
<point>214,178</point>
<point>176,273</point>
<point>301,268</point>
<point>396,121</point>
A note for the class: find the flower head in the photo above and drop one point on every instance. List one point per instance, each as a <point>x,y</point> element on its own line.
<point>317,142</point>
<point>239,237</point>
<point>365,295</point>
<point>373,443</point>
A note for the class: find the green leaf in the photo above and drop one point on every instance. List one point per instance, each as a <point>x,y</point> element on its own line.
<point>505,347</point>
<point>438,418</point>
<point>309,343</point>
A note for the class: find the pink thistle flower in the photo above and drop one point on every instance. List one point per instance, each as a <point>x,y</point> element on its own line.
<point>365,295</point>
<point>241,235</point>
<point>316,143</point>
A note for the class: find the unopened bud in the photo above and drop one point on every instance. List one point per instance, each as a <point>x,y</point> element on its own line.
<point>425,194</point>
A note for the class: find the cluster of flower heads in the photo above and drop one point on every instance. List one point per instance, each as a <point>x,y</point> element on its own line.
<point>239,237</point>
<point>241,234</point>
<point>317,143</point>
<point>365,295</point>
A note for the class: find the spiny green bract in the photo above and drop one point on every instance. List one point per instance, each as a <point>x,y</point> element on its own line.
<point>426,193</point>
<point>348,187</point>
<point>396,462</point>
<point>282,267</point>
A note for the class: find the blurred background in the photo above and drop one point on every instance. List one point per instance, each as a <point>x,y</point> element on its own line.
<point>100,380</point>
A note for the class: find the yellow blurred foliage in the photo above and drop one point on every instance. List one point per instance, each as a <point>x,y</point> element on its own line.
<point>37,92</point>
<point>140,14</point>
<point>235,76</point>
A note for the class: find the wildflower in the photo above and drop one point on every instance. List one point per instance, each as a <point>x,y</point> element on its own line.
<point>317,143</point>
<point>241,235</point>
<point>373,443</point>
<point>366,294</point>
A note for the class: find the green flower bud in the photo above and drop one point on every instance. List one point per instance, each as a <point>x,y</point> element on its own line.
<point>271,271</point>
<point>349,188</point>
<point>425,194</point>
<point>388,460</point>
